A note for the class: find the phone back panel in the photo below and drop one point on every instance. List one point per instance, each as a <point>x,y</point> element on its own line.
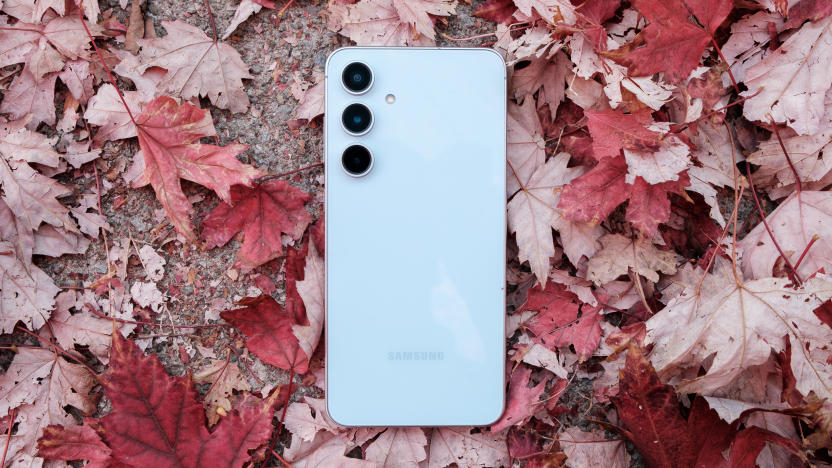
<point>415,249</point>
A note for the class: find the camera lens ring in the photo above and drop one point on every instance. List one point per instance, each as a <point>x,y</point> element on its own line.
<point>357,128</point>
<point>360,163</point>
<point>355,85</point>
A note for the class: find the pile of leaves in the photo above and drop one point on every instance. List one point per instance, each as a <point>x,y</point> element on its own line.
<point>670,235</point>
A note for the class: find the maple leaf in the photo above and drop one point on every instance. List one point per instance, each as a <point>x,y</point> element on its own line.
<point>325,449</point>
<point>21,144</point>
<point>533,212</point>
<point>594,195</point>
<point>244,10</point>
<point>798,220</point>
<point>28,96</point>
<point>18,41</point>
<point>197,66</point>
<point>55,242</point>
<point>525,148</point>
<point>398,446</point>
<point>32,197</point>
<point>224,378</point>
<point>715,165</point>
<point>546,75</point>
<point>264,213</point>
<point>557,321</point>
<point>523,402</point>
<point>302,424</point>
<point>650,411</point>
<point>553,11</point>
<point>157,420</point>
<point>74,443</point>
<point>585,449</point>
<point>66,38</point>
<point>674,43</point>
<point>736,325</point>
<point>40,384</point>
<point>791,83</point>
<point>311,104</point>
<point>613,130</point>
<point>26,292</point>
<point>268,329</point>
<point>106,110</point>
<point>312,289</point>
<point>84,328</point>
<point>619,255</point>
<point>169,136</point>
<point>809,155</point>
<point>458,445</point>
<point>389,22</point>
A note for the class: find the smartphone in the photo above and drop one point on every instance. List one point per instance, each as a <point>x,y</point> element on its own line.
<point>415,142</point>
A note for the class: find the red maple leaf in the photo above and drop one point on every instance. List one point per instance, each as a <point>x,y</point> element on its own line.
<point>268,329</point>
<point>263,212</point>
<point>613,130</point>
<point>673,42</point>
<point>594,195</point>
<point>77,443</point>
<point>562,319</point>
<point>523,402</point>
<point>654,424</point>
<point>169,136</point>
<point>157,419</point>
<point>591,18</point>
<point>294,266</point>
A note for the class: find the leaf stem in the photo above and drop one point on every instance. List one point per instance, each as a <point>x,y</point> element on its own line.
<point>58,350</point>
<point>8,436</point>
<point>240,358</point>
<point>211,17</point>
<point>106,68</point>
<point>682,127</point>
<point>793,273</point>
<point>283,415</point>
<point>283,10</point>
<point>806,250</point>
<point>295,171</point>
<point>786,154</point>
<point>282,460</point>
<point>730,74</point>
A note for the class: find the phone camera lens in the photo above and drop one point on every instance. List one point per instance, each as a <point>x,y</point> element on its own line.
<point>357,160</point>
<point>357,119</point>
<point>357,77</point>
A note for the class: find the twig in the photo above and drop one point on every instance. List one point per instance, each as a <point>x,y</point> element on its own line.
<point>786,154</point>
<point>152,324</point>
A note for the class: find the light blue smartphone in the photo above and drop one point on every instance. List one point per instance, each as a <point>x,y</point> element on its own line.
<point>415,142</point>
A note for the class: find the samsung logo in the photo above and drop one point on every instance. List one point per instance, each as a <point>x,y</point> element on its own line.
<point>415,356</point>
